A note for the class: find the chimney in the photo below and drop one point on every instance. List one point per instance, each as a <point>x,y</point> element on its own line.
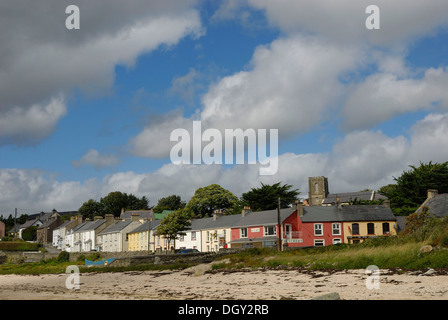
<point>338,202</point>
<point>109,219</point>
<point>135,216</point>
<point>96,218</point>
<point>299,209</point>
<point>305,203</point>
<point>386,203</point>
<point>216,214</point>
<point>246,210</point>
<point>432,193</point>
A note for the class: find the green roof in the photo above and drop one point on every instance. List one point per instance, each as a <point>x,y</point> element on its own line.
<point>160,216</point>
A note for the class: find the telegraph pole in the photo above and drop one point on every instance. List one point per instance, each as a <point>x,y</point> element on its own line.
<point>280,246</point>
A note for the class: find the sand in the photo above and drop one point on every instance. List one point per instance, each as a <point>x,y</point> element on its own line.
<point>199,284</point>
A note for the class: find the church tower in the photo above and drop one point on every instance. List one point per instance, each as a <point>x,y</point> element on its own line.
<point>317,190</point>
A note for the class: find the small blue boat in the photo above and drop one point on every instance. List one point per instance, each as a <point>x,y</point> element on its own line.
<point>103,262</point>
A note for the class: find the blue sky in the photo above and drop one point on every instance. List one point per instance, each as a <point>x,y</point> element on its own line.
<point>86,112</point>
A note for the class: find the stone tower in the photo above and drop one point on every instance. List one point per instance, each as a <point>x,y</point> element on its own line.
<point>318,190</point>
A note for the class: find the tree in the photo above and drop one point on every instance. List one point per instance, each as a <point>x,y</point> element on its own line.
<point>174,225</point>
<point>266,196</point>
<point>172,202</point>
<point>411,188</point>
<point>208,199</point>
<point>113,203</point>
<point>91,208</point>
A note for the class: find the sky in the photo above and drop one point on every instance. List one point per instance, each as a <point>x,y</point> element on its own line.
<point>88,111</point>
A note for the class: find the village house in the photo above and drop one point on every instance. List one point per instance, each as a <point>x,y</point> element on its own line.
<point>260,229</point>
<point>216,233</point>
<point>72,236</point>
<point>50,221</point>
<point>59,233</point>
<point>322,225</point>
<point>86,236</point>
<point>142,238</point>
<point>193,236</point>
<point>437,204</point>
<point>115,237</point>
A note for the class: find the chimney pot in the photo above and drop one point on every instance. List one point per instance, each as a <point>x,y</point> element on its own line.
<point>432,193</point>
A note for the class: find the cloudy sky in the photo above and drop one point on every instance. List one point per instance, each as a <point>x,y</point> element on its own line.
<point>89,111</point>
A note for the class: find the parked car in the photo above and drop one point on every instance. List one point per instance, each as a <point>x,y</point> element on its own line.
<point>189,251</point>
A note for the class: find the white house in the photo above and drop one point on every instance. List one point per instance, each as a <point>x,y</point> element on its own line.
<point>115,237</point>
<point>192,238</point>
<point>70,238</point>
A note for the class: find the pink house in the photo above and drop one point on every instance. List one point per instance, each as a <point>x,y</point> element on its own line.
<point>260,229</point>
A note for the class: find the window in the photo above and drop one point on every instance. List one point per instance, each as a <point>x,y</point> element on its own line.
<point>355,228</point>
<point>207,237</point>
<point>386,228</point>
<point>337,241</point>
<point>270,231</point>
<point>370,228</point>
<point>319,243</point>
<point>318,229</point>
<point>336,229</point>
<point>243,232</point>
<point>193,235</point>
<point>316,187</point>
<point>181,237</point>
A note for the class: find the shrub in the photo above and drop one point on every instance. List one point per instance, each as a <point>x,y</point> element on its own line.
<point>64,256</point>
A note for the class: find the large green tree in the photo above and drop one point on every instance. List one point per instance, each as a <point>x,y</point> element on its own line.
<point>208,199</point>
<point>113,203</point>
<point>266,196</point>
<point>411,187</point>
<point>174,225</point>
<point>172,202</point>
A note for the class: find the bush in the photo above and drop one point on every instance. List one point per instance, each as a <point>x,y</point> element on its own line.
<point>64,256</point>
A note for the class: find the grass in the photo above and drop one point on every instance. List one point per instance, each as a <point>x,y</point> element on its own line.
<point>401,256</point>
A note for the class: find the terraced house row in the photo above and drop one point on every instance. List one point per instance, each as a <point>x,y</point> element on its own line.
<point>300,226</point>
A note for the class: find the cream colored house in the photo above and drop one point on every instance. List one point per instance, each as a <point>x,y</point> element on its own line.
<point>115,237</point>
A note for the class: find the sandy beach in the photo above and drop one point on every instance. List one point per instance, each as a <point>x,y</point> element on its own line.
<point>195,284</point>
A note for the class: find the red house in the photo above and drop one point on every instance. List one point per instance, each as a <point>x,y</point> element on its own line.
<point>260,229</point>
<point>320,226</point>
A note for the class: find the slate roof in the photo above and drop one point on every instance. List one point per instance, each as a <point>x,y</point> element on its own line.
<point>63,225</point>
<point>437,206</point>
<point>351,196</point>
<point>347,213</point>
<point>260,218</point>
<point>144,214</point>
<point>116,227</point>
<point>91,225</point>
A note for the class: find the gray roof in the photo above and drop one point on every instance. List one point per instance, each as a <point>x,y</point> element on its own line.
<point>63,225</point>
<point>347,213</point>
<point>92,225</point>
<point>258,218</point>
<point>144,226</point>
<point>351,196</point>
<point>221,221</point>
<point>437,206</point>
<point>116,227</point>
<point>144,214</point>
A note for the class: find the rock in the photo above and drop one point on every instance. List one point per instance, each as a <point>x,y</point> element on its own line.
<point>426,249</point>
<point>430,272</point>
<point>328,296</point>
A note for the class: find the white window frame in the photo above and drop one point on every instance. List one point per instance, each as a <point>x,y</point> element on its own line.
<point>321,229</point>
<point>339,240</point>
<point>319,240</point>
<point>333,228</point>
<point>242,233</point>
<point>266,228</point>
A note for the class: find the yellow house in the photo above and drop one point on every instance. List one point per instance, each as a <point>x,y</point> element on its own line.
<point>217,232</point>
<point>143,238</point>
<point>362,222</point>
